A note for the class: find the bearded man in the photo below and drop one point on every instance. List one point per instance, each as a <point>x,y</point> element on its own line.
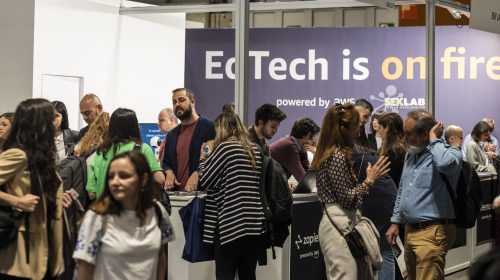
<point>182,150</point>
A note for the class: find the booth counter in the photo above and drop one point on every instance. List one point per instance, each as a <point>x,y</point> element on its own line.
<point>301,258</point>
<point>473,242</point>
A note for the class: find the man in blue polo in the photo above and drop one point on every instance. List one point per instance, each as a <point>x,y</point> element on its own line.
<point>424,204</point>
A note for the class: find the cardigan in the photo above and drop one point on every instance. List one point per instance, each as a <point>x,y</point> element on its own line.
<point>204,131</point>
<point>476,156</point>
<point>233,208</point>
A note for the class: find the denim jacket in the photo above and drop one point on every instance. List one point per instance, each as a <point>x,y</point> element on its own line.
<point>423,194</point>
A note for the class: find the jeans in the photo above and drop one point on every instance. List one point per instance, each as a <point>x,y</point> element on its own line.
<point>387,271</point>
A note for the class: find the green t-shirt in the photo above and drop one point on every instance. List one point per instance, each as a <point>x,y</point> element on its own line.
<point>99,166</point>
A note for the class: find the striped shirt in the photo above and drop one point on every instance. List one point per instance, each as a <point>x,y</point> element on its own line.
<point>233,207</point>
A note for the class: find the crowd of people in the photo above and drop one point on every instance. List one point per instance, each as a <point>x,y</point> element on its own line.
<point>391,181</point>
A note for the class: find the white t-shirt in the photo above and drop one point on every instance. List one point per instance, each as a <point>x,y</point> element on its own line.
<point>60,147</point>
<point>125,251</point>
<point>379,142</point>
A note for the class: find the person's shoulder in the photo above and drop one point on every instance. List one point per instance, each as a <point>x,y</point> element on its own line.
<point>282,142</point>
<point>205,120</point>
<point>14,153</point>
<point>71,136</point>
<point>472,144</point>
<point>174,131</point>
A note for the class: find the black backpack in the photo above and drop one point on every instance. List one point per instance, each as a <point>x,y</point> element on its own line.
<point>277,202</point>
<point>73,172</point>
<point>468,199</point>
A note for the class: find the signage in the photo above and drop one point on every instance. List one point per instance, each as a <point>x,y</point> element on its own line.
<point>152,136</point>
<point>303,71</point>
<point>485,226</point>
<point>485,15</point>
<point>306,259</point>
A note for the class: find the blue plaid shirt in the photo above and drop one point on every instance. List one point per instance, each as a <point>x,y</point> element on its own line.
<point>423,194</point>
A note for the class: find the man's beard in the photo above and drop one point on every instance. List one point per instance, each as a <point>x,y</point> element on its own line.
<point>413,150</point>
<point>184,115</point>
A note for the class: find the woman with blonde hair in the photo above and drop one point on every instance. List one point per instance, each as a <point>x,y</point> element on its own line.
<point>339,190</point>
<point>234,217</point>
<point>95,136</point>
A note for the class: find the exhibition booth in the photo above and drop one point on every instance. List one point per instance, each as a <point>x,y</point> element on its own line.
<point>301,257</point>
<point>134,58</point>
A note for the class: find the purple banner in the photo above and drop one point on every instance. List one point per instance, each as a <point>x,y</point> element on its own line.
<point>305,70</point>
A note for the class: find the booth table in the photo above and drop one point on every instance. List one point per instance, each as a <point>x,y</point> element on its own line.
<point>301,258</point>
<point>478,240</point>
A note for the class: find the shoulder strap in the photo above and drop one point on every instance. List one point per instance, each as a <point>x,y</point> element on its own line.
<point>266,161</point>
<point>160,211</point>
<point>104,224</point>
<point>331,221</point>
<point>452,194</point>
<point>137,147</point>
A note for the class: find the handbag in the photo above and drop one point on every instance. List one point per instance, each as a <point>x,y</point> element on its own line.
<point>192,221</point>
<point>353,239</point>
<point>9,225</point>
<point>165,200</point>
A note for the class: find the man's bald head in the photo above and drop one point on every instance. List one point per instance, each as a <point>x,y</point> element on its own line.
<point>454,135</point>
<point>90,107</point>
<point>167,120</point>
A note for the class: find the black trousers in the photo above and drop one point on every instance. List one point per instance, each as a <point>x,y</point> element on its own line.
<point>237,256</point>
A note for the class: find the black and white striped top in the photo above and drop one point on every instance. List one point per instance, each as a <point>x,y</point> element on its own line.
<point>233,205</point>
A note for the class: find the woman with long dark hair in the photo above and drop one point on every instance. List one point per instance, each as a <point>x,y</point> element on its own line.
<point>374,136</point>
<point>123,136</point>
<point>64,138</point>
<point>122,234</point>
<point>6,120</point>
<point>233,210</point>
<point>475,154</point>
<point>393,144</point>
<point>339,190</point>
<point>30,184</point>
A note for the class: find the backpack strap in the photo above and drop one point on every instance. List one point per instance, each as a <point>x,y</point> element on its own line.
<point>137,147</point>
<point>452,194</point>
<point>27,236</point>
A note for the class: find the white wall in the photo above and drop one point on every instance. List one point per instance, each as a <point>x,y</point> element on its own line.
<point>150,62</point>
<point>16,52</point>
<point>130,61</point>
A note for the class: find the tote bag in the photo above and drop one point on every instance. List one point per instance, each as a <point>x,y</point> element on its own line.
<point>192,221</point>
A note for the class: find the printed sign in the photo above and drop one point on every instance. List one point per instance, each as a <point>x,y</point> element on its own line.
<point>152,136</point>
<point>303,71</point>
<point>485,15</point>
<point>485,227</point>
<point>306,259</point>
